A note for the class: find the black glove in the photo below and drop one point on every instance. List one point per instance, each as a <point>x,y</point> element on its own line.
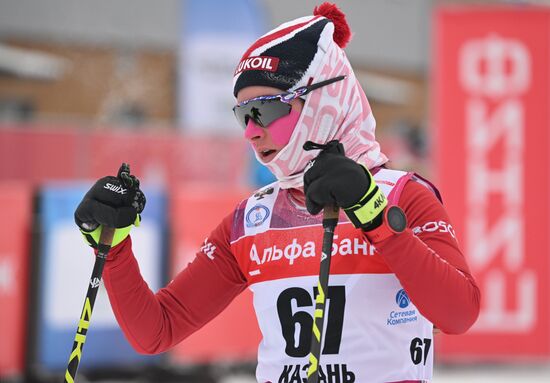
<point>335,180</point>
<point>112,201</point>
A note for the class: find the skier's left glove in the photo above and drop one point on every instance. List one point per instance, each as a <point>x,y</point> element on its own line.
<point>114,202</point>
<point>334,179</point>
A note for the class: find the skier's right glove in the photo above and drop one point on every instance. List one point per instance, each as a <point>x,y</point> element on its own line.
<point>114,202</point>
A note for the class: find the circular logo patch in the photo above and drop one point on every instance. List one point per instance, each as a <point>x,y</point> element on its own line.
<point>256,216</point>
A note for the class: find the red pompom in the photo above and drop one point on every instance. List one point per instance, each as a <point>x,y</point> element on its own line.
<point>342,31</point>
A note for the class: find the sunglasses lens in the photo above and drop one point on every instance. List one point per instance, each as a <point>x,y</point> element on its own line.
<point>263,112</point>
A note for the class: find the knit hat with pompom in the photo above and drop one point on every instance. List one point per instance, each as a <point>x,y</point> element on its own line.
<point>288,56</point>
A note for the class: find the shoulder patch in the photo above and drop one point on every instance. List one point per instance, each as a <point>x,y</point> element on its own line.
<point>259,209</point>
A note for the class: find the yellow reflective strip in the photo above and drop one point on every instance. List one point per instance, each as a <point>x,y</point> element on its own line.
<point>371,209</point>
<point>312,365</point>
<point>68,377</point>
<point>318,313</point>
<point>316,332</point>
<point>321,294</point>
<point>120,234</point>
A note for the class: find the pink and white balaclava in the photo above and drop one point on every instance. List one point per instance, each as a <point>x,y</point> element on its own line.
<point>305,51</point>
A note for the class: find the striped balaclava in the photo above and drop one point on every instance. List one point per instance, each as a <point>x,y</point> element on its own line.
<point>305,51</point>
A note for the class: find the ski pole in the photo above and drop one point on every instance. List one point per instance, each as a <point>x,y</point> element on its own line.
<point>103,248</point>
<point>330,220</point>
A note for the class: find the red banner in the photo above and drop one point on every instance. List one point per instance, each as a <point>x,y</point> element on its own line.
<point>44,153</point>
<point>491,120</point>
<point>15,205</point>
<point>234,334</point>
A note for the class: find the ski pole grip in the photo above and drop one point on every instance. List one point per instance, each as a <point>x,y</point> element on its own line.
<point>330,216</point>
<point>105,241</point>
<point>106,237</point>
